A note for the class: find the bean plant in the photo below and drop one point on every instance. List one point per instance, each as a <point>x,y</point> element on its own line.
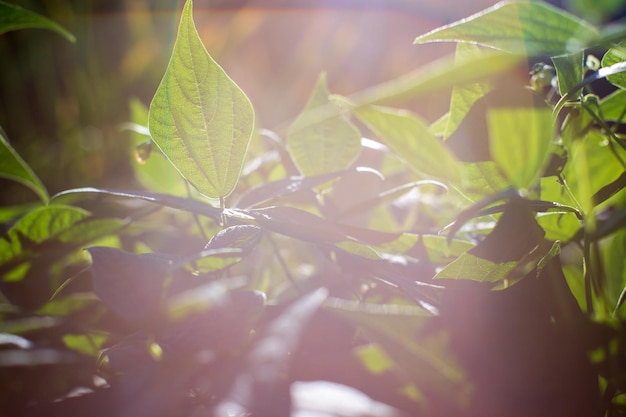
<point>356,261</point>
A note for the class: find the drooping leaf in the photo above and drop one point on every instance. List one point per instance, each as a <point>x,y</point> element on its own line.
<point>179,203</point>
<point>410,138</point>
<point>130,285</point>
<point>199,118</point>
<point>519,141</point>
<point>322,147</point>
<point>532,28</point>
<point>13,167</point>
<point>272,190</point>
<point>13,17</point>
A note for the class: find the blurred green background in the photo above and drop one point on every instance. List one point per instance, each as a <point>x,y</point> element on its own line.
<point>62,104</point>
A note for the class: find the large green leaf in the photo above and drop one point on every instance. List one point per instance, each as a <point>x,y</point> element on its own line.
<point>199,118</point>
<point>322,147</point>
<point>532,28</point>
<point>519,141</point>
<point>13,167</point>
<point>14,17</point>
<point>410,138</point>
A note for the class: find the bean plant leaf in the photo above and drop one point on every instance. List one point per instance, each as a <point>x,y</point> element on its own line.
<point>39,225</point>
<point>533,28</point>
<point>13,17</point>
<point>13,167</point>
<point>520,141</point>
<point>614,56</point>
<point>199,118</point>
<point>410,138</point>
<point>322,147</point>
<point>130,285</point>
<point>569,70</point>
<point>464,96</point>
<point>242,237</point>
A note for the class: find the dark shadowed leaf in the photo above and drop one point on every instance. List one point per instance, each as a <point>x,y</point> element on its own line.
<point>130,285</point>
<point>13,17</point>
<point>179,203</point>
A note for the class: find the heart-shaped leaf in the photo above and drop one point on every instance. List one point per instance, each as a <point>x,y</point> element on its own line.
<point>199,118</point>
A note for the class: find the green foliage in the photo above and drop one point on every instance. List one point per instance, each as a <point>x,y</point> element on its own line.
<point>467,268</point>
<point>199,117</point>
<point>14,17</point>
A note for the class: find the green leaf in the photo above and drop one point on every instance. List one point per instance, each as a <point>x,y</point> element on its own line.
<point>243,237</point>
<point>519,141</point>
<point>179,203</point>
<point>611,57</point>
<point>324,147</point>
<point>612,106</point>
<point>464,96</point>
<point>14,17</point>
<point>435,77</point>
<point>13,167</point>
<point>36,227</point>
<point>410,138</point>
<point>130,285</point>
<point>199,118</point>
<point>570,70</point>
<point>532,28</point>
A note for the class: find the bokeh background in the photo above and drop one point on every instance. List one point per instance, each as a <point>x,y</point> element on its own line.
<point>62,104</point>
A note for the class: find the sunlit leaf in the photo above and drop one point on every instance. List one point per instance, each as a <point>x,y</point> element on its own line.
<point>13,17</point>
<point>324,147</point>
<point>410,138</point>
<point>612,106</point>
<point>533,28</point>
<point>519,141</point>
<point>199,117</point>
<point>13,167</point>
<point>36,227</point>
<point>611,57</point>
<point>464,96</point>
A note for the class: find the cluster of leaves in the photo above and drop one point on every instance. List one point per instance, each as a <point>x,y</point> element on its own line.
<point>473,266</point>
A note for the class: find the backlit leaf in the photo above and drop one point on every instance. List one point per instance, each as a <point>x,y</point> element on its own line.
<point>519,141</point>
<point>614,56</point>
<point>199,118</point>
<point>569,70</point>
<point>533,28</point>
<point>326,146</point>
<point>410,138</point>
<point>13,167</point>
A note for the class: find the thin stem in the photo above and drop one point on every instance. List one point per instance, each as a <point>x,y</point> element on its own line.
<point>283,264</point>
<point>195,216</point>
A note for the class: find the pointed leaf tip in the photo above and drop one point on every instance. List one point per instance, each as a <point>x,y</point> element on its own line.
<point>199,118</point>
